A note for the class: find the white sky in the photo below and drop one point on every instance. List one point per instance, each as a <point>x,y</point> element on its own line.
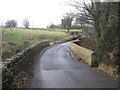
<point>41,12</point>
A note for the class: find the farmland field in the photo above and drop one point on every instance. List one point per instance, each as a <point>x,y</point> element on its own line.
<point>17,39</point>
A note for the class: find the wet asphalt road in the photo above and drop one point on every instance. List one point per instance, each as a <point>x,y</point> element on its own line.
<point>54,68</point>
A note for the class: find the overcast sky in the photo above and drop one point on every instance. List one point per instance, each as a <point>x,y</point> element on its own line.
<point>40,12</point>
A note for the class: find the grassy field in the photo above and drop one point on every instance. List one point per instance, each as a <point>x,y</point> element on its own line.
<point>71,30</point>
<point>16,39</point>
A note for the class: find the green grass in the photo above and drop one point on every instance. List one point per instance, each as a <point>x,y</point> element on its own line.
<point>16,39</point>
<point>71,30</point>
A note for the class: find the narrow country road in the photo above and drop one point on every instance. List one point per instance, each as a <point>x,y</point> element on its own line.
<point>54,68</point>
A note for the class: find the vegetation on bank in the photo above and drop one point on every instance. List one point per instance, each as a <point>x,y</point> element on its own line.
<point>15,40</point>
<point>107,41</point>
<point>103,20</point>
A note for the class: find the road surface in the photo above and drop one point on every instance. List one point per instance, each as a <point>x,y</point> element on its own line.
<point>54,68</point>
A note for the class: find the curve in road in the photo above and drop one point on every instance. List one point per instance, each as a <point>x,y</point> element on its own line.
<point>54,68</point>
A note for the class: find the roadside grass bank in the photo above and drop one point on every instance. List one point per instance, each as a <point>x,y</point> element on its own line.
<point>17,70</point>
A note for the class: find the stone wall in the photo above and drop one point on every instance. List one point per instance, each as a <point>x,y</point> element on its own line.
<point>83,53</point>
<point>18,63</point>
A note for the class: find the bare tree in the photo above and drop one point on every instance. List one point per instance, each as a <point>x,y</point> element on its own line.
<point>26,23</point>
<point>11,23</point>
<point>66,22</point>
<point>90,14</point>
